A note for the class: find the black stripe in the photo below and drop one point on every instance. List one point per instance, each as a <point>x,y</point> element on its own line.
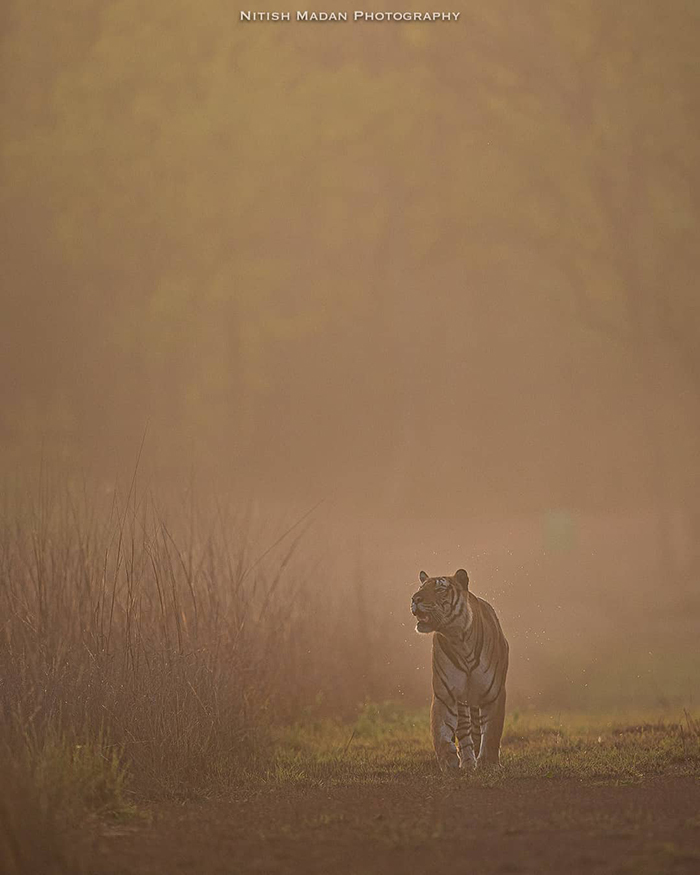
<point>449,708</point>
<point>443,677</point>
<point>480,633</point>
<point>484,699</point>
<point>450,653</point>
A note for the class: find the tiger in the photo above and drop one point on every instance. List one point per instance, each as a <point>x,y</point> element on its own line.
<point>470,663</point>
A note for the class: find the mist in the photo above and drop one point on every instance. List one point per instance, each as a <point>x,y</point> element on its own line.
<point>443,281</point>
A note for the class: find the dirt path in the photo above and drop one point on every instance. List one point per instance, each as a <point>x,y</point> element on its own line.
<point>535,827</point>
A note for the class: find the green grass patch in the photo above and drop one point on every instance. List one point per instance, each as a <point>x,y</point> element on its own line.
<point>387,744</point>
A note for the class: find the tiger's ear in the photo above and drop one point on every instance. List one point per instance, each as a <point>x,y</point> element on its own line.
<point>423,576</point>
<point>462,578</point>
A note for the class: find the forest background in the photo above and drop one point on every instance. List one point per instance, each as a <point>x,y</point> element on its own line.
<point>442,278</point>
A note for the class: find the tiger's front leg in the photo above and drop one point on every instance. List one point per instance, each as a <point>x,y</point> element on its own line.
<point>492,718</point>
<point>443,725</point>
<point>465,728</point>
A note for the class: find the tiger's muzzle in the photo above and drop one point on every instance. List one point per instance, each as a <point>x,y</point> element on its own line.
<point>423,617</point>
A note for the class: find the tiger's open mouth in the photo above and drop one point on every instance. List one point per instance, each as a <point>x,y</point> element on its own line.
<point>424,623</point>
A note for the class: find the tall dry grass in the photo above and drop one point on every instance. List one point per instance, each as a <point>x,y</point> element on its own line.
<point>146,648</point>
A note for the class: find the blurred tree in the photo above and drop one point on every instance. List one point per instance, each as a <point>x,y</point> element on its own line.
<point>601,115</point>
<point>372,253</point>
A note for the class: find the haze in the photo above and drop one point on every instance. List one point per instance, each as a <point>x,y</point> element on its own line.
<point>442,278</point>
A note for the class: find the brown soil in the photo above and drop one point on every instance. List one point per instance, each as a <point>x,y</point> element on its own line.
<point>536,827</point>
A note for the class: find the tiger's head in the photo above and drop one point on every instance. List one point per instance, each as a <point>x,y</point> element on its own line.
<point>434,603</point>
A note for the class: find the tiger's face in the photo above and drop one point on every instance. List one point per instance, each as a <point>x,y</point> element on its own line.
<point>433,604</point>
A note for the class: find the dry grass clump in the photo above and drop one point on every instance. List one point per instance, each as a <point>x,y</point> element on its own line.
<point>146,651</point>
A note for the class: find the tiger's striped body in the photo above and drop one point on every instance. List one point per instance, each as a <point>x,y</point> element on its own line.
<point>470,663</point>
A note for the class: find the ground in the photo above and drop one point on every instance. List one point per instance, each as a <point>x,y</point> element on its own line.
<point>534,827</point>
<point>571,797</point>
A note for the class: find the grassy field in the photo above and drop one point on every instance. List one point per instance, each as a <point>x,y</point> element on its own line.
<point>387,744</point>
<point>574,793</point>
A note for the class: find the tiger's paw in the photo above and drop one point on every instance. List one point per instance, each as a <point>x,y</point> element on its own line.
<point>449,765</point>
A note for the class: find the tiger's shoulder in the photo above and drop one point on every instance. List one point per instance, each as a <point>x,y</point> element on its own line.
<point>487,611</point>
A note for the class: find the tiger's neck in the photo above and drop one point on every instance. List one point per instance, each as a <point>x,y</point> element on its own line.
<point>459,631</point>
